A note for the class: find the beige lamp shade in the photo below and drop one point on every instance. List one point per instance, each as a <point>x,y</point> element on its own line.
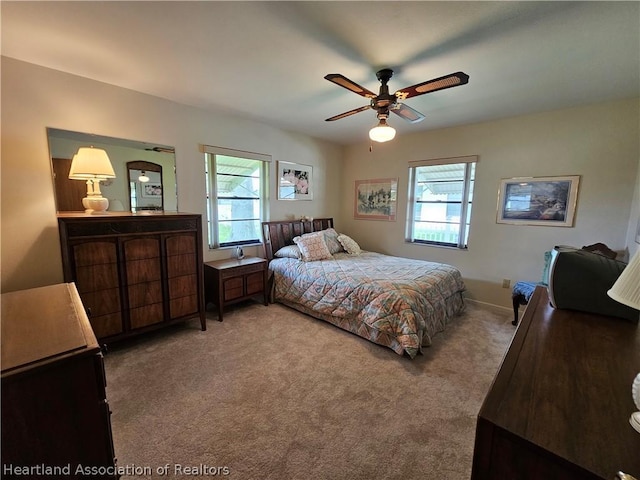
<point>626,290</point>
<point>91,163</point>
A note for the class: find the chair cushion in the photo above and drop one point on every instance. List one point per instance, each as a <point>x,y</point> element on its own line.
<point>525,289</point>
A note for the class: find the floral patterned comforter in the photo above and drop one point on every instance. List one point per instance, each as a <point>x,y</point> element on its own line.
<point>396,302</point>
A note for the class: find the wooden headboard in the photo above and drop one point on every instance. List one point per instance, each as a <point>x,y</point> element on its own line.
<point>276,235</point>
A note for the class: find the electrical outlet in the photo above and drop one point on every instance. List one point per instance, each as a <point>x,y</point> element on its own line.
<point>506,283</point>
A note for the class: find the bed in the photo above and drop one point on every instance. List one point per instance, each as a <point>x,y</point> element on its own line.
<point>396,302</point>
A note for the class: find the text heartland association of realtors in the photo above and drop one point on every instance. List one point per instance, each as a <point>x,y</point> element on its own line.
<point>114,470</point>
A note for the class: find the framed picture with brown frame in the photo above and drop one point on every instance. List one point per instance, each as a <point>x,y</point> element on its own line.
<point>376,199</point>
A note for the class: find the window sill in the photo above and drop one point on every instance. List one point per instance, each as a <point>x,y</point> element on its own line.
<point>232,247</point>
<point>448,247</point>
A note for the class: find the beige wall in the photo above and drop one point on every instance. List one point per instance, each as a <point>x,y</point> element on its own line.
<point>34,98</point>
<point>599,143</point>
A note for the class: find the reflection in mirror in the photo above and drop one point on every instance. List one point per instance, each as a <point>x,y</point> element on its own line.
<point>159,162</point>
<point>145,186</point>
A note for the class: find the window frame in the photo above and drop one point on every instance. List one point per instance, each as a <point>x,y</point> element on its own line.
<point>466,201</point>
<point>211,176</point>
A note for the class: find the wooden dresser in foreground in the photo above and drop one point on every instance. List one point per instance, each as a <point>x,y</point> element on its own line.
<point>560,404</point>
<point>54,407</point>
<point>134,272</point>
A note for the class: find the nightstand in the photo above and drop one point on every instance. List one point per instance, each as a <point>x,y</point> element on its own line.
<point>232,280</point>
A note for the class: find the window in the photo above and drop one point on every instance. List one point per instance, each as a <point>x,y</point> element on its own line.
<point>236,196</point>
<point>440,194</point>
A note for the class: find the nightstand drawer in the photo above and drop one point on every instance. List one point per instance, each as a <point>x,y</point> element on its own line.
<point>242,270</point>
<point>233,288</point>
<point>255,283</point>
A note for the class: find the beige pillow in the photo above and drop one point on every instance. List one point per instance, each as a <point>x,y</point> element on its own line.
<point>349,244</point>
<point>313,247</point>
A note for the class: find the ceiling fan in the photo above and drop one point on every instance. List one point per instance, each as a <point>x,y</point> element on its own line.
<point>384,102</point>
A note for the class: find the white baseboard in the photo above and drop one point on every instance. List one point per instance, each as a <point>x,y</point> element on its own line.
<point>491,306</point>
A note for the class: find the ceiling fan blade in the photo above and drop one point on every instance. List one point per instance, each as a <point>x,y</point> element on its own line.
<point>408,113</point>
<point>346,114</point>
<point>448,81</point>
<point>349,85</point>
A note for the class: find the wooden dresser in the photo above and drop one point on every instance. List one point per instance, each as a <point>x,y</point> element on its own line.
<point>134,272</point>
<point>560,404</point>
<point>54,407</point>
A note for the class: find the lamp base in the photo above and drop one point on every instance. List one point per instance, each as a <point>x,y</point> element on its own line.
<point>95,204</point>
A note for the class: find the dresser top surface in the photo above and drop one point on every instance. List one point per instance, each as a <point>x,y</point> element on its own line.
<point>41,324</point>
<point>121,215</point>
<point>565,386</point>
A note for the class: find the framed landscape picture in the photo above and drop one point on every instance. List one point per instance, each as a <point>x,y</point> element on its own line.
<point>295,181</point>
<point>549,201</point>
<point>376,199</point>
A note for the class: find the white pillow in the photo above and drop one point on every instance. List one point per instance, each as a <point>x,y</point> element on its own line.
<point>349,244</point>
<point>313,247</point>
<point>331,239</point>
<point>289,251</point>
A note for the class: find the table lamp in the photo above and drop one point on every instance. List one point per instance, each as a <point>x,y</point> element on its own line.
<point>626,290</point>
<point>92,165</point>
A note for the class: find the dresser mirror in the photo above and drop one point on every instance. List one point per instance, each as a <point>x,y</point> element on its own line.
<point>145,173</point>
<point>145,186</point>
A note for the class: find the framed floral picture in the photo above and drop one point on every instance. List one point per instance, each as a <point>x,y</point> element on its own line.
<point>151,190</point>
<point>376,199</point>
<point>549,201</point>
<point>295,181</point>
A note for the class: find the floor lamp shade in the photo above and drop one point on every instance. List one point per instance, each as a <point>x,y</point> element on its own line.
<point>626,289</point>
<point>92,165</point>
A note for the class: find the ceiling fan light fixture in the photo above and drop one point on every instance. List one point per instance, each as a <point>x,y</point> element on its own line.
<point>143,177</point>
<point>382,132</point>
<point>386,102</point>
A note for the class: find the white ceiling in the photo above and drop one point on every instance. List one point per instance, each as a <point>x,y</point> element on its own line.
<point>266,60</point>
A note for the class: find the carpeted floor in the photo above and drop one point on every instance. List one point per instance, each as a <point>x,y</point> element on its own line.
<point>271,393</point>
